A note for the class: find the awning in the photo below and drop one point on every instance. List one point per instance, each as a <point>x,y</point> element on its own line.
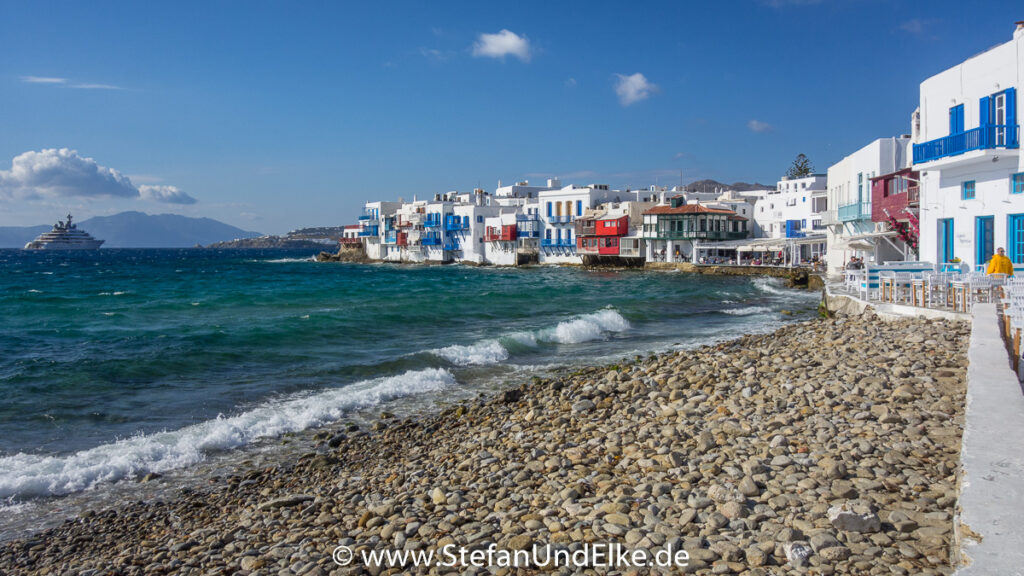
<point>863,242</point>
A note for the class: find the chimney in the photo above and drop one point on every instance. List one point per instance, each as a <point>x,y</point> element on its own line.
<point>1019,31</point>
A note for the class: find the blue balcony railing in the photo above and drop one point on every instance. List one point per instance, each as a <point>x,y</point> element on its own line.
<point>452,246</point>
<point>391,237</point>
<point>370,231</point>
<point>855,211</point>
<point>527,233</point>
<point>560,219</point>
<point>431,240</point>
<point>432,221</point>
<point>980,138</point>
<point>366,217</point>
<point>454,223</point>
<point>558,243</point>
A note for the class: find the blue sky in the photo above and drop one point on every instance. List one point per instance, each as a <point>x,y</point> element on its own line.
<point>271,116</point>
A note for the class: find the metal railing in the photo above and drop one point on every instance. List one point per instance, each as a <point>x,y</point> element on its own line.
<point>980,138</point>
<point>855,211</point>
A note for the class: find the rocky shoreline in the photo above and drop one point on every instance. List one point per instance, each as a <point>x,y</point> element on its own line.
<point>826,447</point>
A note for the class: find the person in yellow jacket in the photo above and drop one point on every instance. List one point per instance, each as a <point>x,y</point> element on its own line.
<point>1000,264</point>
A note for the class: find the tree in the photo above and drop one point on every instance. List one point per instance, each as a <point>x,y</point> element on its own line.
<point>801,167</point>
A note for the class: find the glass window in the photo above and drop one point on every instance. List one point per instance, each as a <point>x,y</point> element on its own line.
<point>967,190</point>
<point>1017,183</point>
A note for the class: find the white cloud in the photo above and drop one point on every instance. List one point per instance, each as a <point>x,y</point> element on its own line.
<point>65,82</point>
<point>166,194</point>
<point>53,174</point>
<point>570,83</point>
<point>758,126</point>
<point>62,173</point>
<point>96,87</point>
<point>43,80</point>
<point>632,89</point>
<point>435,54</point>
<point>504,43</point>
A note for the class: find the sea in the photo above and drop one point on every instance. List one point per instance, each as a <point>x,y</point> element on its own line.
<point>115,364</point>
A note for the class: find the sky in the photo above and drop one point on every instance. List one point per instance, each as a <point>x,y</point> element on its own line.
<point>272,116</point>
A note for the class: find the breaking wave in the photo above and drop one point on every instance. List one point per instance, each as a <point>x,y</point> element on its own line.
<point>29,475</point>
<point>584,328</point>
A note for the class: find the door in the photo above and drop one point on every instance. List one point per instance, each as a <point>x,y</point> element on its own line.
<point>985,238</point>
<point>1015,238</point>
<point>999,118</point>
<point>945,240</point>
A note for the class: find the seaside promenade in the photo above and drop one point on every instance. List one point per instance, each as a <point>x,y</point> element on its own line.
<point>827,447</point>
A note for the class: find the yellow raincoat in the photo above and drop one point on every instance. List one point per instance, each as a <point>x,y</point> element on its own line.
<point>1000,265</point>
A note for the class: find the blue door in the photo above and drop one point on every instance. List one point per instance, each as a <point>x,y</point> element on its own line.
<point>985,239</point>
<point>946,240</point>
<point>1015,238</point>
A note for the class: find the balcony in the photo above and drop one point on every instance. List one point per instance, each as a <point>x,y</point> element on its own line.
<point>829,217</point>
<point>855,211</point>
<point>454,223</point>
<point>452,246</point>
<point>586,228</point>
<point>366,217</point>
<point>504,234</point>
<point>391,237</point>
<point>980,138</point>
<point>561,219</point>
<point>558,243</point>
<point>695,235</point>
<point>433,239</point>
<point>432,221</point>
<point>370,231</point>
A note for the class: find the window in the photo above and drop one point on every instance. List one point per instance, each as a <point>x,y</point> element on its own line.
<point>579,207</point>
<point>549,209</point>
<point>860,186</point>
<point>479,219</point>
<point>1017,183</point>
<point>967,190</point>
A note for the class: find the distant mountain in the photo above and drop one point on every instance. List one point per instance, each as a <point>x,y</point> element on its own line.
<point>139,230</point>
<point>18,236</point>
<point>711,185</point>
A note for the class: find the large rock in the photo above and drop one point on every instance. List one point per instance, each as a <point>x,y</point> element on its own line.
<point>854,517</point>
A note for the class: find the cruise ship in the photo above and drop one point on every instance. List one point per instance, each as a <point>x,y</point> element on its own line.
<point>64,236</point>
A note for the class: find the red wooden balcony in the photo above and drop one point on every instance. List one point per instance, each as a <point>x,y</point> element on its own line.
<point>503,234</point>
<point>894,195</point>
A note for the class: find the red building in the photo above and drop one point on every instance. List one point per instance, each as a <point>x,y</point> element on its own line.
<point>599,235</point>
<point>896,199</point>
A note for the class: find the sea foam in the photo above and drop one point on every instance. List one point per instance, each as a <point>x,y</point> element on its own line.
<point>748,311</point>
<point>29,475</point>
<point>583,328</point>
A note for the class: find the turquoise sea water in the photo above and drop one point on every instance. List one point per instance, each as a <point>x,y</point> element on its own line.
<point>117,363</point>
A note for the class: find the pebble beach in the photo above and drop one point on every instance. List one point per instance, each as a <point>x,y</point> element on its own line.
<point>827,447</point>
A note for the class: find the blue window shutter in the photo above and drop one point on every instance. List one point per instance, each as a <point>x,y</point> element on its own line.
<point>549,209</point>
<point>956,119</point>
<point>1011,117</point>
<point>579,207</point>
<point>984,105</point>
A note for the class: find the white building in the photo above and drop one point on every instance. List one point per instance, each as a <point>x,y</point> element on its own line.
<point>501,239</point>
<point>795,206</point>
<point>559,208</point>
<point>851,231</point>
<point>967,152</point>
<point>374,221</point>
<point>521,193</point>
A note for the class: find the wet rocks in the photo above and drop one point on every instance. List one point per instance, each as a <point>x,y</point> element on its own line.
<point>829,447</point>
